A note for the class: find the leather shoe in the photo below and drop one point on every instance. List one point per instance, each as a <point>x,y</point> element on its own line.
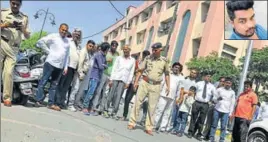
<point>54,107</point>
<point>149,132</point>
<point>7,103</point>
<point>189,135</point>
<point>130,127</point>
<point>199,138</point>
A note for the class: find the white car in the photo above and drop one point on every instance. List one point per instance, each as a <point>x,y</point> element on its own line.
<point>258,131</point>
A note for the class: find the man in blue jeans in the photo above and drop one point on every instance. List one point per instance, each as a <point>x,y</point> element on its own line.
<point>99,65</point>
<point>56,45</point>
<point>225,101</point>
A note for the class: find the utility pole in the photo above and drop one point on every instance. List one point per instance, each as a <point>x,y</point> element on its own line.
<point>245,68</point>
<point>174,18</point>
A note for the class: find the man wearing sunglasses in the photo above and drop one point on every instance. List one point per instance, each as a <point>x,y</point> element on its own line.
<point>14,25</point>
<point>151,70</point>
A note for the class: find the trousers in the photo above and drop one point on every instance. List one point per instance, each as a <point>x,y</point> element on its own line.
<point>152,92</point>
<point>8,60</point>
<point>164,110</point>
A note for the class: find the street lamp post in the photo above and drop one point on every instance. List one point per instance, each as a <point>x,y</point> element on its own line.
<point>52,18</point>
<point>245,68</point>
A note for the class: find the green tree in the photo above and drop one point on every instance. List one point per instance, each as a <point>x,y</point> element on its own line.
<point>258,66</point>
<point>30,43</point>
<point>218,66</point>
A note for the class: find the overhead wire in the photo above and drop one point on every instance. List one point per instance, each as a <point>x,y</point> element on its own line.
<point>116,9</point>
<point>107,27</point>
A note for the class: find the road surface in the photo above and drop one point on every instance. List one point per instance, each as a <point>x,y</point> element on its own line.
<point>29,124</point>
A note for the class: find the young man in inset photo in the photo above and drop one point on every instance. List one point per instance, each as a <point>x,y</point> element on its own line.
<point>242,18</point>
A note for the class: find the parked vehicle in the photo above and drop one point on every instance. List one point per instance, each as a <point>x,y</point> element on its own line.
<point>22,81</point>
<point>37,61</point>
<point>258,131</point>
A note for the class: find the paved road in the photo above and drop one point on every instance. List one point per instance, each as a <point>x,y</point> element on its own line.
<point>28,124</point>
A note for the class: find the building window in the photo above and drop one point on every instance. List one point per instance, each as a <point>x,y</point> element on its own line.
<point>196,46</point>
<point>229,48</point>
<point>145,15</point>
<point>149,40</point>
<point>130,40</point>
<point>140,37</point>
<point>204,10</point>
<point>227,55</point>
<point>136,20</point>
<point>123,43</point>
<point>130,24</point>
<point>164,27</point>
<point>181,36</point>
<point>106,38</point>
<point>158,7</point>
<point>170,3</point>
<point>115,34</point>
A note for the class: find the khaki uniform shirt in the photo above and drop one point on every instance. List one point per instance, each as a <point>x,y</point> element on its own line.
<point>155,68</point>
<point>14,36</point>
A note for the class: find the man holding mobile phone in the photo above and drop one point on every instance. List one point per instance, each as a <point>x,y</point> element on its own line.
<point>14,25</point>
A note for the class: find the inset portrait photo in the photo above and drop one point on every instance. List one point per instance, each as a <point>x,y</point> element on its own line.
<point>245,20</point>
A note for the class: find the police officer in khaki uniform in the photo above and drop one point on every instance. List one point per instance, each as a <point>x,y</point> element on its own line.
<point>14,25</point>
<point>151,70</point>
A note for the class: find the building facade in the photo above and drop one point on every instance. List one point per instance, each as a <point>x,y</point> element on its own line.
<point>198,30</point>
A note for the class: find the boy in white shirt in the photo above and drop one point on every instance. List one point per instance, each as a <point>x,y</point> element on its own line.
<point>166,102</point>
<point>184,110</point>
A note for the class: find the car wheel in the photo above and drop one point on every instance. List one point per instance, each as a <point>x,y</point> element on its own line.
<point>257,136</point>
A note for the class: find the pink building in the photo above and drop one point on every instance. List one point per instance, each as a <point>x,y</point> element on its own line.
<point>198,30</point>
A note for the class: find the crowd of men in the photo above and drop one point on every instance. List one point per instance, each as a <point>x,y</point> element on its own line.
<point>99,76</point>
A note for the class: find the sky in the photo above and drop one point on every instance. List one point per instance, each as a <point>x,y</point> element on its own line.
<point>90,16</point>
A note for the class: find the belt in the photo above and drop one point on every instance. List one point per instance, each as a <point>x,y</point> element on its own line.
<point>148,80</point>
<point>5,39</point>
<point>201,102</point>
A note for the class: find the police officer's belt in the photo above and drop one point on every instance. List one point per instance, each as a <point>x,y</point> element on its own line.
<point>7,40</point>
<point>148,80</point>
<point>4,39</point>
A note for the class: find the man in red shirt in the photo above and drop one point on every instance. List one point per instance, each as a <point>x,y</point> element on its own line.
<point>244,112</point>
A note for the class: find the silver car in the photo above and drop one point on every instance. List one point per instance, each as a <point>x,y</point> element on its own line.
<point>258,131</point>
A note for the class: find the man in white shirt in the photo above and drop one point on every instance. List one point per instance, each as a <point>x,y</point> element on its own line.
<point>209,119</point>
<point>166,102</point>
<point>225,101</point>
<point>204,93</point>
<point>56,45</point>
<point>66,80</point>
<point>121,76</point>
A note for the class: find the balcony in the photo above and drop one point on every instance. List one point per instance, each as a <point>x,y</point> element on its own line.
<point>167,14</point>
<point>142,26</point>
<point>198,30</point>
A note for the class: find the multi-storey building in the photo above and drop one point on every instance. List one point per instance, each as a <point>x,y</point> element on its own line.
<point>198,30</point>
